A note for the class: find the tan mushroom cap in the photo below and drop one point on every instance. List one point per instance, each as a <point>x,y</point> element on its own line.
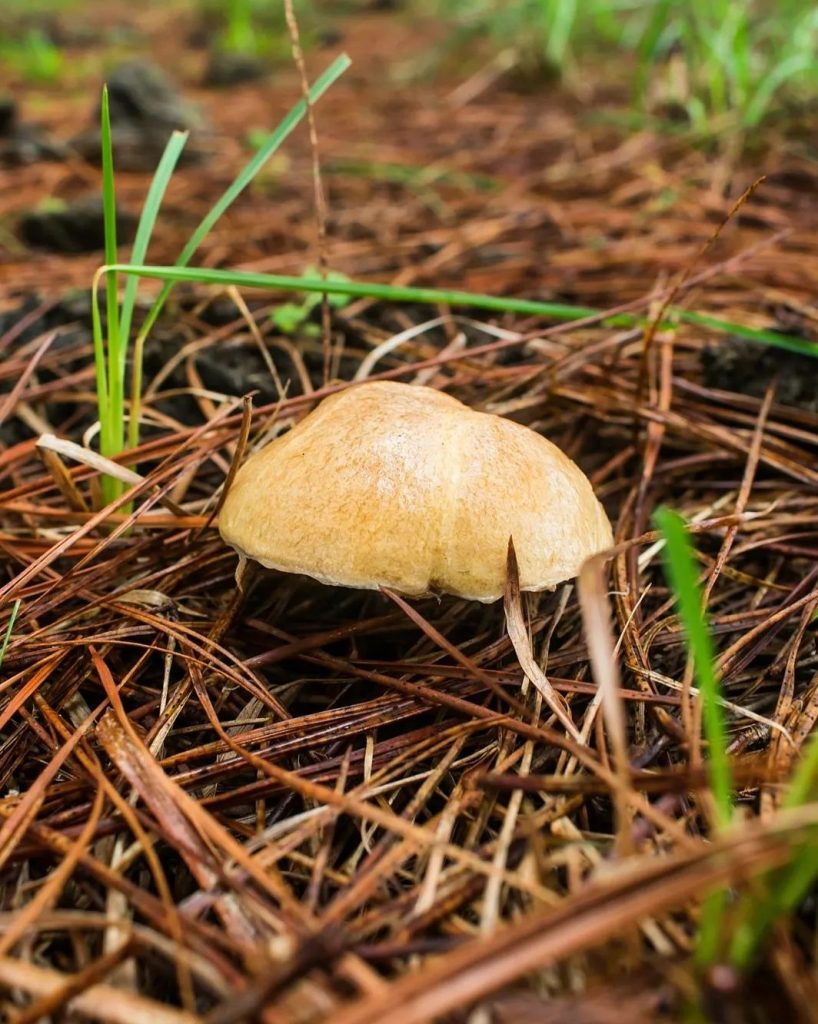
<point>393,485</point>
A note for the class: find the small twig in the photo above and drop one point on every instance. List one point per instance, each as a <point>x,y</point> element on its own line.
<point>670,295</point>
<point>235,463</point>
<point>48,1005</point>
<point>98,1002</point>
<point>320,200</point>
<point>596,618</point>
<point>13,397</point>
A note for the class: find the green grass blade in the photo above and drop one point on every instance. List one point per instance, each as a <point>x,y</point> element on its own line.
<point>15,608</point>
<point>800,345</point>
<point>742,58</point>
<point>367,289</point>
<point>112,428</point>
<point>433,296</point>
<point>100,370</point>
<point>147,220</point>
<point>559,31</point>
<point>783,890</point>
<point>775,78</point>
<point>254,165</point>
<point>680,568</point>
<point>711,929</point>
<point>243,179</point>
<point>109,208</point>
<point>240,37</point>
<point>805,782</point>
<point>648,48</point>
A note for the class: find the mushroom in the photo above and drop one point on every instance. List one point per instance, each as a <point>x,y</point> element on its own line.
<point>398,486</point>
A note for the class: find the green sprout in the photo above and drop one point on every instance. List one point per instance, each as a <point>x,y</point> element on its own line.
<point>112,343</point>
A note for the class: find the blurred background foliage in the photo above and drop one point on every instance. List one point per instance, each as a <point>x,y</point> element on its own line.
<point>716,66</point>
<point>719,63</point>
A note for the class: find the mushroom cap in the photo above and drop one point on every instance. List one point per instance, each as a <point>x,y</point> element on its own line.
<point>393,485</point>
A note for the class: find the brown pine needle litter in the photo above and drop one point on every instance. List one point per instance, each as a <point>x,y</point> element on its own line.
<point>292,803</point>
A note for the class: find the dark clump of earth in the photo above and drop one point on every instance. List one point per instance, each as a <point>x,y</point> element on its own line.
<point>74,309</point>
<point>75,227</point>
<point>145,108</point>
<point>21,142</point>
<point>738,365</point>
<point>226,68</point>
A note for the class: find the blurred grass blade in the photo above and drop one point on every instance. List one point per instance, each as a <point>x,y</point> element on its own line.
<point>648,48</point>
<point>559,28</point>
<point>766,89</point>
<point>805,781</point>
<point>781,891</point>
<point>764,337</point>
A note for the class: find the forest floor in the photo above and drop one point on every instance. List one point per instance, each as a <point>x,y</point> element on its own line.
<point>300,803</point>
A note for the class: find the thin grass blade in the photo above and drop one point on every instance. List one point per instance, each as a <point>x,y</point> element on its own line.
<point>15,608</point>
<point>111,415</point>
<point>243,179</point>
<point>147,220</point>
<point>648,48</point>
<point>474,300</point>
<point>680,568</point>
<point>782,891</point>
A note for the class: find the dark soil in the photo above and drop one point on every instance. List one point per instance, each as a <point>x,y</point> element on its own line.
<point>145,108</point>
<point>22,142</point>
<point>742,366</point>
<point>78,227</point>
<point>225,69</point>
